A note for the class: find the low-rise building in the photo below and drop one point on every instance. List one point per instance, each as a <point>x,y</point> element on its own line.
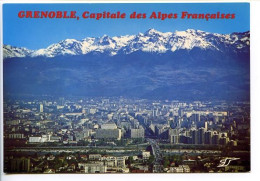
<point>16,136</point>
<point>20,165</point>
<point>146,155</point>
<point>93,157</point>
<point>120,162</point>
<point>35,139</point>
<point>180,169</point>
<point>96,167</point>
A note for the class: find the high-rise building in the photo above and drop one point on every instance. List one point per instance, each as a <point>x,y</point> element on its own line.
<point>173,131</point>
<point>223,140</point>
<point>194,136</point>
<point>155,112</point>
<point>152,128</point>
<point>206,125</point>
<point>215,138</point>
<point>108,134</point>
<point>185,139</point>
<point>61,101</point>
<point>41,107</point>
<point>195,117</point>
<point>161,131</point>
<point>109,126</point>
<point>175,139</point>
<point>137,133</point>
<point>208,137</point>
<point>174,136</point>
<point>201,136</point>
<point>180,112</point>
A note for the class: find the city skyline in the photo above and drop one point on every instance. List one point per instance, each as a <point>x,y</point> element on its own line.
<point>124,135</point>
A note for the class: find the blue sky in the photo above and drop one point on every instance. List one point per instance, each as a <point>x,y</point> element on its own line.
<point>40,33</point>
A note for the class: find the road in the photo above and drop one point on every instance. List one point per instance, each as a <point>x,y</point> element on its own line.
<point>157,165</point>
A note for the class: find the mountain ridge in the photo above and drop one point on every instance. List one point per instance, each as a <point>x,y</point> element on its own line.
<point>150,41</point>
<point>187,65</point>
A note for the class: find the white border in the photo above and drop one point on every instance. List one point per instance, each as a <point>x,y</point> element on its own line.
<point>255,118</point>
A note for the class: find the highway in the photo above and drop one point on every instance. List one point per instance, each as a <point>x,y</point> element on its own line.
<point>157,165</point>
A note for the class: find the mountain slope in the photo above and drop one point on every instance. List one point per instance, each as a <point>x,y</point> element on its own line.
<point>188,65</point>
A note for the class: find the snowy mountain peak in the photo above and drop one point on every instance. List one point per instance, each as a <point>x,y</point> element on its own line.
<point>12,51</point>
<point>152,31</point>
<point>106,40</point>
<point>69,41</point>
<point>150,41</point>
<point>190,30</point>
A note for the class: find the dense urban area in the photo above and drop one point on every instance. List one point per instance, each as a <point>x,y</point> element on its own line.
<point>123,135</point>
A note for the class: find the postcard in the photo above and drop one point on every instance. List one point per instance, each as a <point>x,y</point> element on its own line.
<point>120,88</point>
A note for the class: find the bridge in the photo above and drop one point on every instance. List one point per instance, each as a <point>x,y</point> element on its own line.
<point>157,165</point>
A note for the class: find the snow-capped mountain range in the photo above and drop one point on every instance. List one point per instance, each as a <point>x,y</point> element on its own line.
<point>150,41</point>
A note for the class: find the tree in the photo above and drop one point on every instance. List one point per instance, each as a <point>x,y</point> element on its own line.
<point>130,160</point>
<point>151,160</point>
<point>166,162</point>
